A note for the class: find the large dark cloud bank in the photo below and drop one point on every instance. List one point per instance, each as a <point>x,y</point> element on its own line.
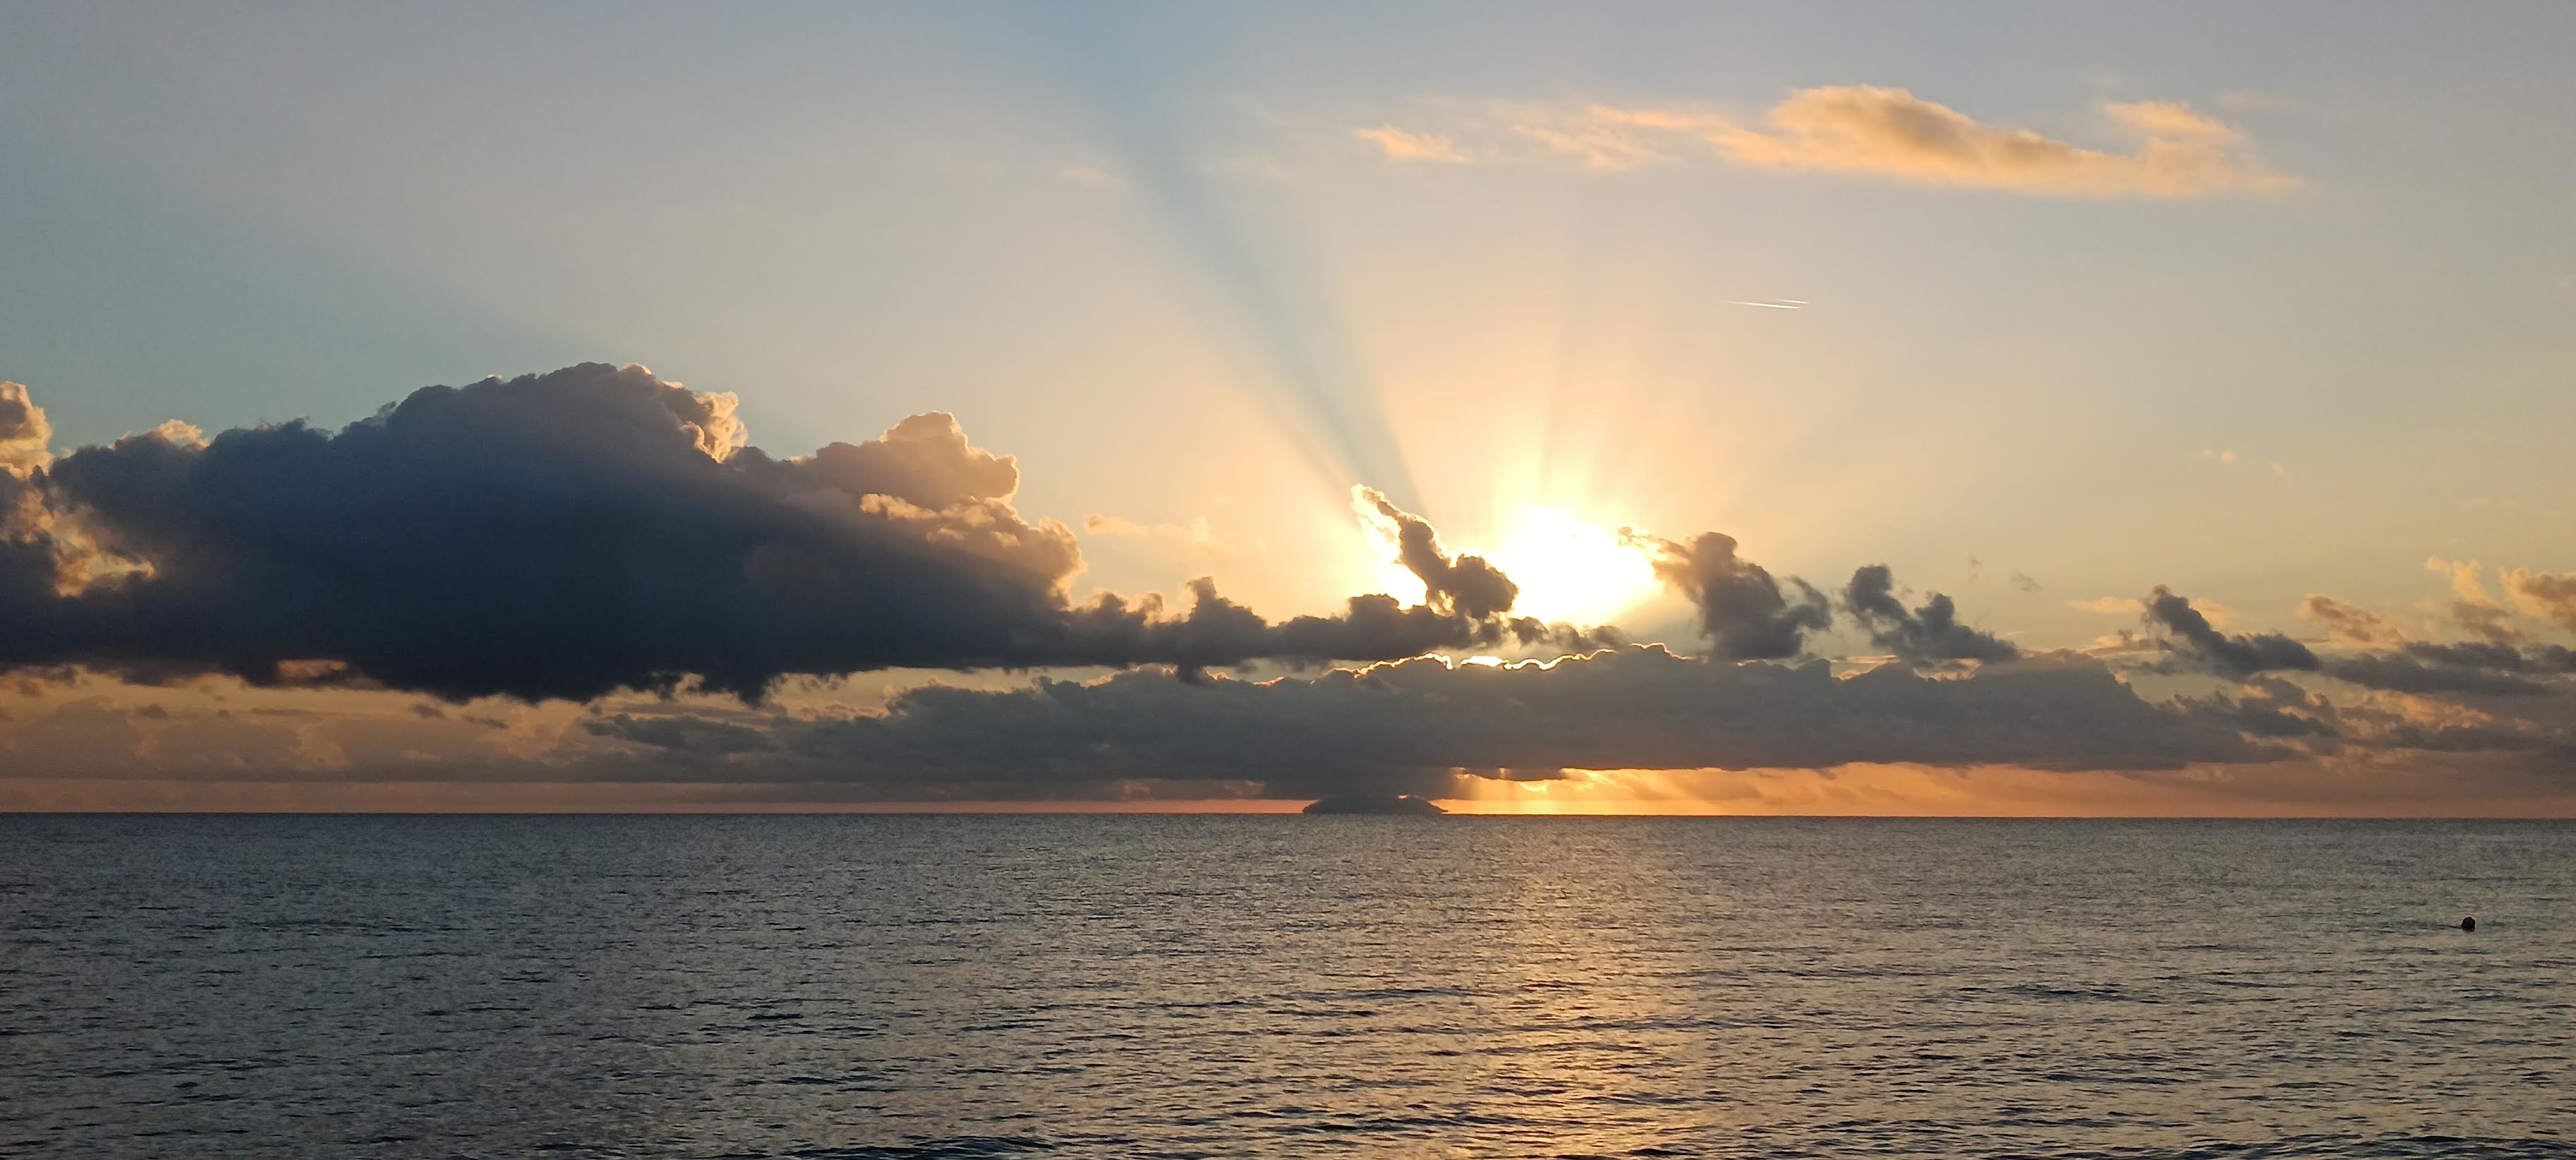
<point>594,529</point>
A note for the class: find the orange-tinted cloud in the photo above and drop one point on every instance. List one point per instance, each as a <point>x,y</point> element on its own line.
<point>2349,623</point>
<point>1891,132</point>
<point>1399,145</point>
<point>2550,596</point>
<point>24,433</point>
<point>2173,150</point>
<point>2471,607</point>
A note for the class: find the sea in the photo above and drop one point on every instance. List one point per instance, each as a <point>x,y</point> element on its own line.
<point>1177,986</point>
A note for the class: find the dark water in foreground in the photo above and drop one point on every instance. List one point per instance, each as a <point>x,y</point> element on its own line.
<point>911,986</point>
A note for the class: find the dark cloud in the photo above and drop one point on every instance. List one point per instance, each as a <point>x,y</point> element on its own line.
<point>2495,666</point>
<point>1743,611</point>
<point>32,564</point>
<point>568,534</point>
<point>1218,633</point>
<point>682,733</point>
<point>2387,729</point>
<point>2543,658</point>
<point>1469,587</point>
<point>2231,656</point>
<point>1417,726</point>
<point>2274,708</point>
<point>2479,667</point>
<point>2401,673</point>
<point>1929,633</point>
<point>1466,583</point>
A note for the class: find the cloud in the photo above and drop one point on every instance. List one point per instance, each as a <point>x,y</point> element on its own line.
<point>1399,145</point>
<point>24,433</point>
<point>569,534</point>
<point>2403,673</point>
<point>1745,614</point>
<point>2174,150</point>
<point>685,733</point>
<point>2490,667</point>
<point>2349,623</point>
<point>1465,586</point>
<point>1891,132</point>
<point>1195,532</point>
<point>1418,726</point>
<point>2546,595</point>
<point>1466,583</point>
<point>2232,656</point>
<point>1929,633</point>
<point>1598,144</point>
<point>2471,607</point>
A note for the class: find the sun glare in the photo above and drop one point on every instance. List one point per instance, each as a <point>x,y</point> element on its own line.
<point>1568,570</point>
<point>1571,570</point>
<point>1592,792</point>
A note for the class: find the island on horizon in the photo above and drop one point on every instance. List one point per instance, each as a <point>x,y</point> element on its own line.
<point>1370,803</point>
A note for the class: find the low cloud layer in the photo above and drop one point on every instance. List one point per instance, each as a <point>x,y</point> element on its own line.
<point>1414,726</point>
<point>2173,150</point>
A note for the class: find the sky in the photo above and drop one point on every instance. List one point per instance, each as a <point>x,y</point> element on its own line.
<point>1988,410</point>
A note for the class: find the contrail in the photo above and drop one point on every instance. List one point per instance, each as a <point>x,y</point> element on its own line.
<point>1774,304</point>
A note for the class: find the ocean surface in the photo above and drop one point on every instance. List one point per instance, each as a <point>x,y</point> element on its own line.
<point>1286,986</point>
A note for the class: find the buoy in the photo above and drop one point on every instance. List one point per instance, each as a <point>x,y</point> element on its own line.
<point>2468,924</point>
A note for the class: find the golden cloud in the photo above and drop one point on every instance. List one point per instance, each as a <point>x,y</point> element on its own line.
<point>2176,151</point>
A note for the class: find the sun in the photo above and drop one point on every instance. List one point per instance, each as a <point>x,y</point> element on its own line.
<point>1570,570</point>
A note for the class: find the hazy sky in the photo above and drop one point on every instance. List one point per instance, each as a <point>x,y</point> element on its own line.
<point>2042,307</point>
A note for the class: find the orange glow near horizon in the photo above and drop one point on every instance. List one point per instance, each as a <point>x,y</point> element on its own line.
<point>1872,791</point>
